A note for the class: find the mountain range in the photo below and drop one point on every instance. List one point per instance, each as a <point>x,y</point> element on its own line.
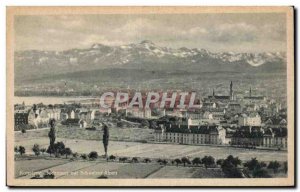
<point>146,55</point>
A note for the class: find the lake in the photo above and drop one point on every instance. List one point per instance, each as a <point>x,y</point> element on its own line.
<point>49,100</point>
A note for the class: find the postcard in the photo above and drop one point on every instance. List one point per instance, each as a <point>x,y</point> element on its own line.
<point>150,96</point>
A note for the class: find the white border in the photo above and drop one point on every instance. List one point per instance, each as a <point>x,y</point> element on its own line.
<point>5,3</point>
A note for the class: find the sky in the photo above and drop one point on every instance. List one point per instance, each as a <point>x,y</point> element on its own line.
<point>236,32</point>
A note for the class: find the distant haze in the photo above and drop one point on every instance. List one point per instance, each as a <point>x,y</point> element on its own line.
<point>239,32</point>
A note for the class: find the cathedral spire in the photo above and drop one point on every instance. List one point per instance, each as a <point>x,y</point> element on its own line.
<point>250,92</point>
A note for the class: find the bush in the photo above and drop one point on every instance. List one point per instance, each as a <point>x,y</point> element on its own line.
<point>122,159</point>
<point>102,177</point>
<point>164,162</point>
<point>145,123</point>
<point>185,161</point>
<point>134,160</point>
<point>120,124</point>
<point>93,155</point>
<point>22,150</point>
<point>59,148</point>
<point>43,150</point>
<point>16,149</point>
<point>285,167</point>
<point>112,157</point>
<point>147,160</point>
<point>75,155</point>
<point>208,161</point>
<point>48,175</point>
<point>23,130</point>
<point>274,165</point>
<point>196,161</point>
<point>67,151</point>
<point>36,149</point>
<point>83,156</point>
<point>260,173</point>
<point>91,128</point>
<point>177,161</point>
<point>50,150</point>
<point>252,164</point>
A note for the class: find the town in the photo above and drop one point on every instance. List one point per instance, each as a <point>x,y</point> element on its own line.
<point>248,121</point>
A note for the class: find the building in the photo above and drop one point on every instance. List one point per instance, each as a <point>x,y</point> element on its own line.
<point>42,118</point>
<point>234,107</point>
<point>248,136</point>
<point>137,112</point>
<point>54,114</point>
<point>21,117</point>
<point>252,119</point>
<point>275,138</point>
<point>193,135</point>
<point>223,98</point>
<point>251,98</point>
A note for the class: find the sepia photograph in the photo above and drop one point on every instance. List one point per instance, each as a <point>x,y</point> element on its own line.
<point>150,96</point>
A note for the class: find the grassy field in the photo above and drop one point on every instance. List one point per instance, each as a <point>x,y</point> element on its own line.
<point>116,134</point>
<point>169,151</point>
<point>34,165</point>
<point>65,168</point>
<point>187,172</point>
<point>79,169</point>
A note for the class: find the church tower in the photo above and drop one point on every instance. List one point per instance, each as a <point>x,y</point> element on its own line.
<point>250,92</point>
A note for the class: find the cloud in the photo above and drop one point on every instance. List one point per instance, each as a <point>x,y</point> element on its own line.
<point>237,32</point>
<point>88,40</point>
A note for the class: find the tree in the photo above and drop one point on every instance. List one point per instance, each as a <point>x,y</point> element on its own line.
<point>164,162</point>
<point>177,161</point>
<point>234,160</point>
<point>102,177</point>
<point>51,134</point>
<point>48,175</point>
<point>229,167</point>
<point>112,157</point>
<point>67,151</point>
<point>185,160</point>
<point>252,164</point>
<point>153,124</point>
<point>260,173</point>
<point>208,161</point>
<point>147,160</point>
<point>274,165</point>
<point>285,167</point>
<point>83,156</point>
<point>145,123</point>
<point>123,159</point>
<point>50,150</point>
<point>36,149</point>
<point>21,150</point>
<point>196,161</point>
<point>43,150</point>
<point>75,155</point>
<point>134,160</point>
<point>23,130</point>
<point>120,124</point>
<point>105,138</point>
<point>16,150</point>
<point>220,162</point>
<point>93,155</point>
<point>59,148</point>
